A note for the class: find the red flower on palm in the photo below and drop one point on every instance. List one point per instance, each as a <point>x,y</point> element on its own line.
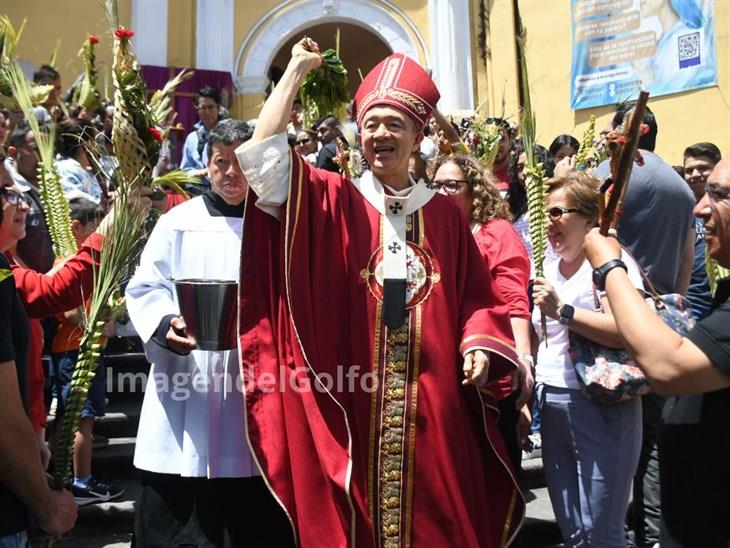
<point>123,34</point>
<point>93,39</point>
<point>155,133</point>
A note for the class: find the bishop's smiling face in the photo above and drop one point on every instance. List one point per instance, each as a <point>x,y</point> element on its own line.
<point>389,137</point>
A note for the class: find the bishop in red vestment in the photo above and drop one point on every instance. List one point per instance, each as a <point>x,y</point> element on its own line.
<point>367,326</point>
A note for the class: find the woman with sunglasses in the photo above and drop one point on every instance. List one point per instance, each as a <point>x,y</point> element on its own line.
<point>24,294</point>
<point>23,486</point>
<point>306,145</point>
<point>590,451</point>
<point>475,193</point>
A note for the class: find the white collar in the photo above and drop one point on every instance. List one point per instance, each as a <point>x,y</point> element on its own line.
<point>408,200</point>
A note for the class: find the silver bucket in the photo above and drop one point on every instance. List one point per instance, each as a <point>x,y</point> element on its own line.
<point>209,308</point>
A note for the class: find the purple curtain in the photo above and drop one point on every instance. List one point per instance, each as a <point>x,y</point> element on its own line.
<point>157,77</point>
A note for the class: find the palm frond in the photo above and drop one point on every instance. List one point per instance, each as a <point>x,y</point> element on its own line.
<point>112,13</point>
<point>161,101</point>
<point>9,38</point>
<point>175,179</point>
<point>535,176</point>
<point>55,204</point>
<point>53,59</point>
<point>89,96</point>
<point>118,255</point>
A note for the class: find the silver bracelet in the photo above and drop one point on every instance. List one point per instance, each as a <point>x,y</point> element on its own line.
<point>527,358</point>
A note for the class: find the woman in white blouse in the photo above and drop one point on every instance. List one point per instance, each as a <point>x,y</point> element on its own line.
<point>590,451</point>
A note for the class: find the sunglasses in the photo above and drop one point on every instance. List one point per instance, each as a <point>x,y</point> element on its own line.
<point>715,193</point>
<point>14,198</point>
<point>557,212</point>
<point>449,186</point>
<point>302,141</point>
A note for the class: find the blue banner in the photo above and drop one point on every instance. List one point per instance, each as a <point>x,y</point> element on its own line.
<point>623,46</point>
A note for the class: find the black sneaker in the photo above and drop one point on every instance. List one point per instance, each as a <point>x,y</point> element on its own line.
<point>95,491</point>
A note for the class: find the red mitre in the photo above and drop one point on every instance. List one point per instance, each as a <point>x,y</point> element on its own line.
<point>398,81</point>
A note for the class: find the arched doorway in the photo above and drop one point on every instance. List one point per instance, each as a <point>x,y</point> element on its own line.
<point>289,20</point>
<point>360,49</point>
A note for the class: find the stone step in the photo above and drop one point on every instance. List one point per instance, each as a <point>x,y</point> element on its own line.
<point>106,524</point>
<point>110,524</point>
<point>116,457</point>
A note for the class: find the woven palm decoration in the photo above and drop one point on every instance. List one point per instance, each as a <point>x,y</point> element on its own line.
<point>135,147</point>
<point>136,143</point>
<point>535,182</point>
<point>88,90</point>
<point>483,139</point>
<point>589,155</point>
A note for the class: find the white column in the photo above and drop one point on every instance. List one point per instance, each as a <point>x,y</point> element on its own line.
<point>149,23</point>
<point>214,35</point>
<point>451,53</point>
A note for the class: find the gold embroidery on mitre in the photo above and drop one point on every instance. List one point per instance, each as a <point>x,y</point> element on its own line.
<point>388,76</point>
<point>412,101</point>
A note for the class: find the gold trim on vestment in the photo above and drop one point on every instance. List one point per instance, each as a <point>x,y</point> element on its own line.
<point>508,520</point>
<point>242,374</point>
<point>489,337</point>
<point>515,484</point>
<point>287,273</point>
<point>373,500</point>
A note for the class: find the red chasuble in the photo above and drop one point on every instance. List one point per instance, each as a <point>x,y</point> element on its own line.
<point>366,435</point>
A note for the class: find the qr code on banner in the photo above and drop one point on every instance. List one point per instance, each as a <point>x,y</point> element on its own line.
<point>689,50</point>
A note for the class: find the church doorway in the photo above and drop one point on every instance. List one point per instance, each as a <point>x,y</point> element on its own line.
<point>359,49</point>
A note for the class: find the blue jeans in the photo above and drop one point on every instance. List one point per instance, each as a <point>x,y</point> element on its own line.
<point>64,364</point>
<point>15,540</point>
<point>590,453</point>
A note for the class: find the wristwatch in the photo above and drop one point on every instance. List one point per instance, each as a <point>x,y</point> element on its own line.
<point>566,314</point>
<point>600,273</point>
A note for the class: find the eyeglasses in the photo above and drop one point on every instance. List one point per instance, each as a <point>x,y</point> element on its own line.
<point>557,212</point>
<point>448,186</point>
<point>715,193</point>
<point>14,198</point>
<point>303,141</point>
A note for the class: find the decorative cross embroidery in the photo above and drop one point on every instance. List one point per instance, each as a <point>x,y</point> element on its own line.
<point>394,248</point>
<point>395,208</point>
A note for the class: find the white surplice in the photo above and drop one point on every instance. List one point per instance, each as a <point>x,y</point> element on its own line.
<point>193,418</point>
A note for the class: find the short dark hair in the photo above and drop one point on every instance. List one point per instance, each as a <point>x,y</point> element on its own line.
<point>45,72</point>
<point>501,123</point>
<point>210,92</point>
<point>84,210</point>
<point>227,132</point>
<point>517,194</point>
<point>703,149</point>
<point>561,140</point>
<point>17,136</point>
<point>329,120</point>
<point>646,141</point>
<point>70,136</point>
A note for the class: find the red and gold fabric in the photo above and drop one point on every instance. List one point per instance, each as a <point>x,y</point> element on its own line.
<point>364,434</point>
<point>398,81</point>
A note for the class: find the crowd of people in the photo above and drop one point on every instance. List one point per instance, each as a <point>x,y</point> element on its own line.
<point>417,274</point>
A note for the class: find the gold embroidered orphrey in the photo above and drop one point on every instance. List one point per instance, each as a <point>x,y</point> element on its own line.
<point>396,361</point>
